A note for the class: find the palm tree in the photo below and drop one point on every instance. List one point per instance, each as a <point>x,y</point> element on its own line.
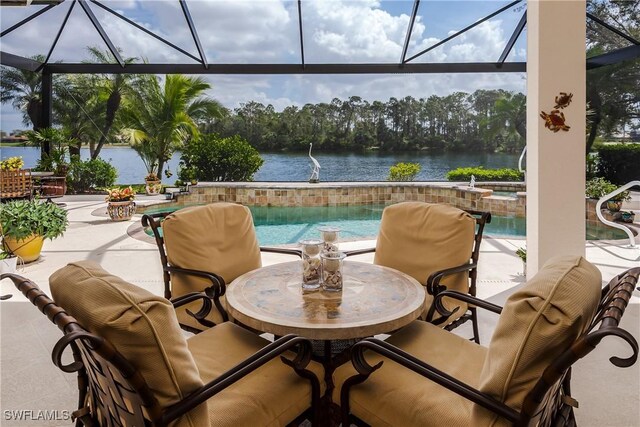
<point>510,120</point>
<point>111,88</point>
<point>158,120</point>
<point>22,89</point>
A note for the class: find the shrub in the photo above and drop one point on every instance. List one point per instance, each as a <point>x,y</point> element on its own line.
<point>90,175</point>
<point>598,187</point>
<point>12,163</point>
<point>482,174</point>
<point>221,159</point>
<point>619,163</point>
<point>403,172</point>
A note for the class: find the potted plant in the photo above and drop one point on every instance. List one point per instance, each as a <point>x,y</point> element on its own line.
<point>8,262</point>
<point>26,223</point>
<point>121,206</point>
<point>152,183</point>
<point>598,187</point>
<point>522,254</point>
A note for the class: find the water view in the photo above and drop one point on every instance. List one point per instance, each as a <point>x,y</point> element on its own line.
<point>296,166</point>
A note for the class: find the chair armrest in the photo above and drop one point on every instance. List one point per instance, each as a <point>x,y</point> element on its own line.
<point>470,299</point>
<point>434,279</point>
<point>422,368</point>
<point>255,361</point>
<point>359,251</point>
<point>296,252</point>
<point>218,286</point>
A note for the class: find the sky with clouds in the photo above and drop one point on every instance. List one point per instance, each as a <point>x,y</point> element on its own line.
<point>266,31</point>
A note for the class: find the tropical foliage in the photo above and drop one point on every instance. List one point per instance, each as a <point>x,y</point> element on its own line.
<point>120,194</point>
<point>22,218</point>
<point>211,158</point>
<point>403,172</point>
<point>22,89</point>
<point>482,174</point>
<point>619,163</point>
<point>158,119</point>
<point>12,163</point>
<point>598,187</point>
<point>87,175</point>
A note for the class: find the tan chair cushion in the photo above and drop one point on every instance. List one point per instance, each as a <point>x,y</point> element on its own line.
<point>421,238</point>
<point>272,395</point>
<point>538,322</point>
<point>396,396</point>
<point>219,238</point>
<point>141,326</point>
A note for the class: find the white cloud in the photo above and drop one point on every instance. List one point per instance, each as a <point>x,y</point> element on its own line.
<point>267,32</point>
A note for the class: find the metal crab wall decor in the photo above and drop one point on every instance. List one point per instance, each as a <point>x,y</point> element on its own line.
<point>554,121</point>
<point>563,100</point>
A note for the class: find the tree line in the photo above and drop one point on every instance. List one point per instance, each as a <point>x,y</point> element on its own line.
<point>486,120</point>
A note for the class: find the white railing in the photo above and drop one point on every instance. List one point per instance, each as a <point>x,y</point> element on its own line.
<point>632,240</point>
<point>524,151</point>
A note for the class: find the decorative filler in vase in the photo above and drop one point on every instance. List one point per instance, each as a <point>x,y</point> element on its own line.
<point>311,264</point>
<point>330,238</point>
<point>332,277</point>
<point>121,205</point>
<point>152,184</point>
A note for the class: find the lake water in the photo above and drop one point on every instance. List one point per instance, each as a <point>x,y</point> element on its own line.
<point>297,166</point>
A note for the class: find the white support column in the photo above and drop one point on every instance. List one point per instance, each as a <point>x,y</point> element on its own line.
<point>555,160</point>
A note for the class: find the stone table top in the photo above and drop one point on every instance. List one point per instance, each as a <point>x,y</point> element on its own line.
<point>374,300</point>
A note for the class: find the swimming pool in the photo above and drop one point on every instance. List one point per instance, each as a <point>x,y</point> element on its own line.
<point>288,225</point>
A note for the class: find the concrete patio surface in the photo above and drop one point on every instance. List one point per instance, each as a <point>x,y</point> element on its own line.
<point>608,396</point>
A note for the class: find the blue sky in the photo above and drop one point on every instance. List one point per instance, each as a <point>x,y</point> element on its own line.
<point>265,31</point>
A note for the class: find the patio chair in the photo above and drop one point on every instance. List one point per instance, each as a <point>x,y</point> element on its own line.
<point>425,376</point>
<point>16,184</point>
<point>438,245</point>
<point>136,368</point>
<point>204,248</point>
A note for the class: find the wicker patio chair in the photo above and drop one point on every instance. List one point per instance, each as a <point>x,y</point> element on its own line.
<point>426,376</point>
<point>136,368</point>
<point>438,245</point>
<point>16,184</point>
<point>203,248</point>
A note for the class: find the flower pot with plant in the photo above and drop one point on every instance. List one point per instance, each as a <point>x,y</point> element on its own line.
<point>522,254</point>
<point>25,224</point>
<point>598,187</point>
<point>121,206</point>
<point>153,185</point>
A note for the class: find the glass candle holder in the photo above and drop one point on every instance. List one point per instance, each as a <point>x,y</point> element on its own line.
<point>330,238</point>
<point>311,263</point>
<point>332,277</point>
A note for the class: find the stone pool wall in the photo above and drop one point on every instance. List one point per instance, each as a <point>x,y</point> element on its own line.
<point>350,193</point>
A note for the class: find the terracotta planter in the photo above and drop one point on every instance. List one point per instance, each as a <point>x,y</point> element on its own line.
<point>121,211</point>
<point>28,248</point>
<point>153,187</point>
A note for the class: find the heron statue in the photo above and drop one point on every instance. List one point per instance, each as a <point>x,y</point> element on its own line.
<point>315,173</point>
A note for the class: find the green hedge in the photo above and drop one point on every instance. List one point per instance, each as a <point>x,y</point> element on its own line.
<point>619,163</point>
<point>482,174</point>
<point>87,175</point>
<point>403,171</point>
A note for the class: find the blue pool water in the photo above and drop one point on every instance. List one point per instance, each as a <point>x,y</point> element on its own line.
<point>288,225</point>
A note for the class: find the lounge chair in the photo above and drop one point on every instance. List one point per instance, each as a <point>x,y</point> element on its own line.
<point>438,245</point>
<point>203,248</point>
<point>425,376</point>
<point>136,368</point>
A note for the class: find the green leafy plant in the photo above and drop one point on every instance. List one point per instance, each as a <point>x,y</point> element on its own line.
<point>598,187</point>
<point>482,174</point>
<point>522,254</point>
<point>22,218</point>
<point>12,164</point>
<point>120,194</point>
<point>403,172</point>
<point>5,255</point>
<point>90,175</point>
<point>221,159</point>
